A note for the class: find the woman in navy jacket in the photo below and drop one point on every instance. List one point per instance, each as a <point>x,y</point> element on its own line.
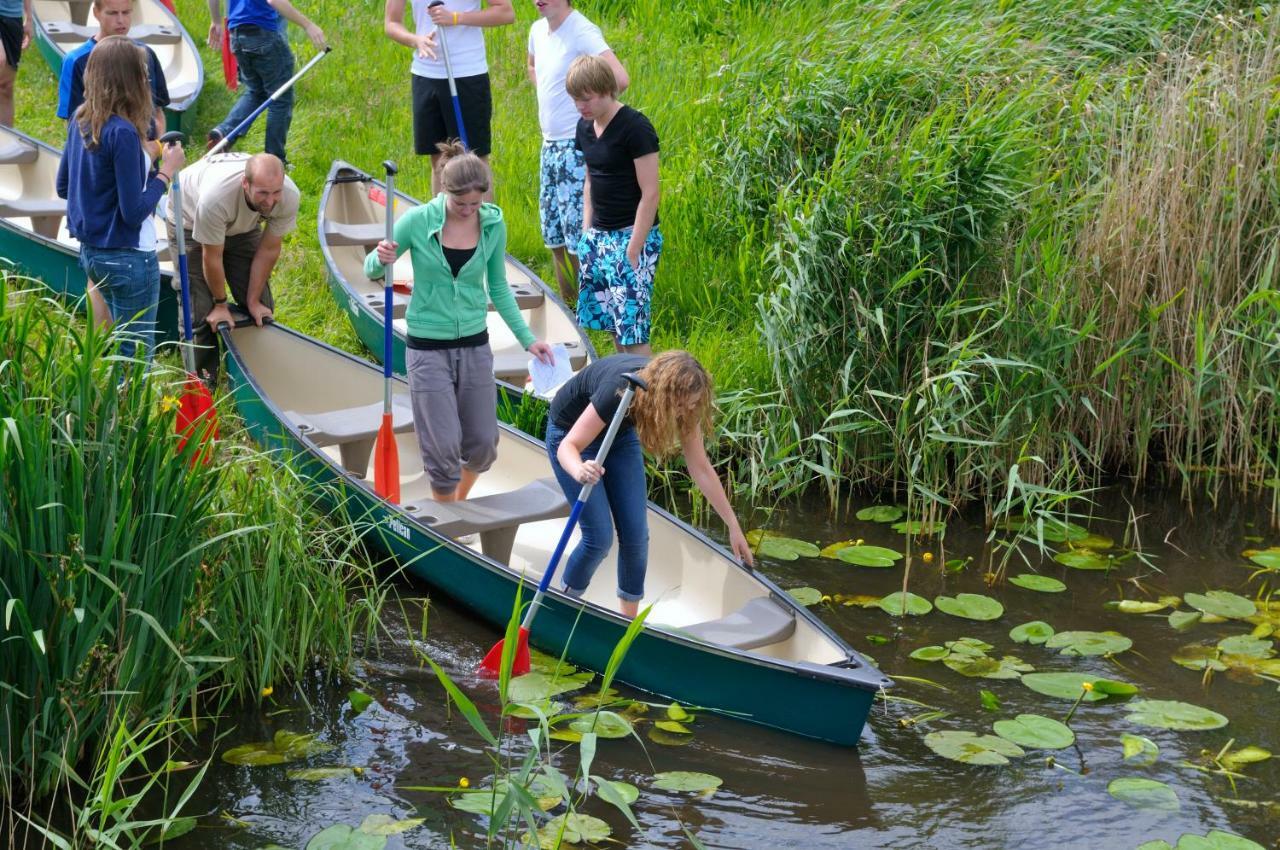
<point>111,193</point>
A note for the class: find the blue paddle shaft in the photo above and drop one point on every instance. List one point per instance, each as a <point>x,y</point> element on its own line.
<point>244,125</point>
<point>388,288</point>
<point>175,209</point>
<point>453,87</point>
<point>583,495</point>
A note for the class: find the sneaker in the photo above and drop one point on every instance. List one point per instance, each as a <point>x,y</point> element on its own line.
<point>215,135</point>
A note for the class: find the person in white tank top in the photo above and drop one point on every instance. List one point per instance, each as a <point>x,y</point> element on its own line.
<point>459,23</point>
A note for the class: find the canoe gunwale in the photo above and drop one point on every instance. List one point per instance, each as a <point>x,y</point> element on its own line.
<point>851,671</point>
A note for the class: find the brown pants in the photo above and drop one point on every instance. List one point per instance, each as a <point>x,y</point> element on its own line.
<point>237,258</point>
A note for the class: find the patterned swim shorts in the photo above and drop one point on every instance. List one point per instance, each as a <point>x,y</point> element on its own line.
<point>613,296</point>
<point>562,174</point>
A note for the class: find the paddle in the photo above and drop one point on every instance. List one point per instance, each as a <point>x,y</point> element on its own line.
<point>196,414</point>
<point>492,663</point>
<point>275,95</point>
<point>453,87</point>
<point>386,456</point>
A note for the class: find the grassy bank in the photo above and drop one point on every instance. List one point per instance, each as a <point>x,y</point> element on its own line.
<point>962,249</point>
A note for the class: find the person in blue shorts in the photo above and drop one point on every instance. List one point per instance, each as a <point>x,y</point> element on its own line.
<point>15,37</point>
<point>115,17</point>
<point>561,35</point>
<point>620,241</point>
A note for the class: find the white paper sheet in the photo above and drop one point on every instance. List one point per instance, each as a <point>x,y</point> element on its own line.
<point>547,379</point>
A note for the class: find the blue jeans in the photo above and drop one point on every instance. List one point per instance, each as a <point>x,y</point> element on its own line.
<point>129,281</point>
<point>621,497</point>
<point>265,63</point>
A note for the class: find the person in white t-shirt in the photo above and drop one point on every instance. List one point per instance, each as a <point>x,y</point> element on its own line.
<point>459,24</point>
<point>557,38</point>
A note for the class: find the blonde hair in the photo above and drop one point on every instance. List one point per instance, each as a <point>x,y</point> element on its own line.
<point>115,83</point>
<point>461,171</point>
<point>679,397</point>
<point>590,75</point>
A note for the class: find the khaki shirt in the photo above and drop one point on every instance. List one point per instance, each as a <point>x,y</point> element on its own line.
<point>214,205</point>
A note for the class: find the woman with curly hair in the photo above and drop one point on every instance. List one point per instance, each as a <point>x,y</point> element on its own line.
<point>672,413</point>
<point>105,175</point>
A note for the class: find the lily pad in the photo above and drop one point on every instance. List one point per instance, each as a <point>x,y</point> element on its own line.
<point>1008,667</point>
<point>342,837</point>
<point>1097,542</point>
<point>930,653</point>
<point>970,748</point>
<point>318,774</point>
<point>833,549</point>
<point>1197,656</point>
<point>379,824</point>
<point>1042,584</point>
<point>781,548</point>
<point>1247,646</point>
<point>359,702</point>
<point>1136,606</point>
<point>667,739</point>
<point>606,724</point>
<point>1237,759</point>
<point>915,606</point>
<point>1089,643</point>
<point>971,606</point>
<point>1063,685</point>
<point>881,513</point>
<point>676,711</point>
<point>1181,620</point>
<point>919,528</point>
<point>1171,714</point>
<point>1035,633</point>
<point>284,747</point>
<point>572,828</point>
<point>806,595</point>
<point>624,791</point>
<point>868,556</point>
<point>1269,558</point>
<point>1139,749</point>
<point>1083,559</point>
<point>480,801</point>
<point>675,727</point>
<point>1216,840</point>
<point>686,780</point>
<point>1222,603</point>
<point>1035,732</point>
<point>1144,793</point>
<point>536,687</point>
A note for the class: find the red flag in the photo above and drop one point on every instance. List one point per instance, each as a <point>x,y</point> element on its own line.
<point>230,72</point>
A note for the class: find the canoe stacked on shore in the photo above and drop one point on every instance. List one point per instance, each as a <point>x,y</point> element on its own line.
<point>63,25</point>
<point>353,220</point>
<point>33,228</point>
<point>720,635</point>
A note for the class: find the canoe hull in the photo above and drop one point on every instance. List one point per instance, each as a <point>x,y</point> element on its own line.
<point>825,702</point>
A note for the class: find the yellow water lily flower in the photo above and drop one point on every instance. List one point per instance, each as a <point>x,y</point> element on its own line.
<point>927,557</point>
<point>168,403</point>
<point>267,691</point>
<point>464,782</point>
<point>1088,686</point>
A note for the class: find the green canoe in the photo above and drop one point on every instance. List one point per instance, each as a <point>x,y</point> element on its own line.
<point>63,26</point>
<point>720,635</point>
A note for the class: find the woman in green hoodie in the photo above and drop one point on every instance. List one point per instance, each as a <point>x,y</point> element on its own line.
<point>459,247</point>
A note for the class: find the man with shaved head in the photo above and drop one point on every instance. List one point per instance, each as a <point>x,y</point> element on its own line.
<point>236,210</point>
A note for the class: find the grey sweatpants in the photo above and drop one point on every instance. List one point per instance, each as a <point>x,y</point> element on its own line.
<point>455,411</point>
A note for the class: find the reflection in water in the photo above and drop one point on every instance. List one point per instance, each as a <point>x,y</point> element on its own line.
<point>782,791</point>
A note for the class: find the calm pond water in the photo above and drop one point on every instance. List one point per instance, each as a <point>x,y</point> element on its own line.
<point>782,791</point>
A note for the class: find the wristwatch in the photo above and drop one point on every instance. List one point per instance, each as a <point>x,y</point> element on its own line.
<point>222,300</point>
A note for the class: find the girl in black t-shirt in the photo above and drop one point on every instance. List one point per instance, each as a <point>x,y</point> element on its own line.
<point>621,242</point>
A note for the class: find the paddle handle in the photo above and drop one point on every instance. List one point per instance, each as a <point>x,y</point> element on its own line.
<point>184,280</point>
<point>453,86</point>
<point>244,125</point>
<point>388,284</point>
<point>633,383</point>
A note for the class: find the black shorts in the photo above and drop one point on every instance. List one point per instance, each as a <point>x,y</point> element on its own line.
<point>11,35</point>
<point>433,119</point>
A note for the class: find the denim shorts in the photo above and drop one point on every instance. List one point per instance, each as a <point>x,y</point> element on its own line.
<point>613,296</point>
<point>129,281</point>
<point>562,174</point>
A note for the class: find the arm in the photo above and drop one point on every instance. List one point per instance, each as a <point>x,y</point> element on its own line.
<point>496,14</point>
<point>586,201</point>
<point>584,431</point>
<point>28,25</point>
<point>647,211</point>
<point>529,69</point>
<point>393,26</point>
<point>135,205</point>
<point>388,252</point>
<point>264,260</point>
<point>704,475</point>
<point>500,292</point>
<point>215,275</point>
<point>215,25</point>
<point>287,11</point>
<point>624,79</point>
<point>63,182</point>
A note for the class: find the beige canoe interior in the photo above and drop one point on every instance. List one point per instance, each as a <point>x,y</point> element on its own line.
<point>29,197</point>
<point>353,225</point>
<point>70,23</point>
<point>694,588</point>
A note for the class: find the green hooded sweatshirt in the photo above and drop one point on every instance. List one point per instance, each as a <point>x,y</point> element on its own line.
<point>445,307</point>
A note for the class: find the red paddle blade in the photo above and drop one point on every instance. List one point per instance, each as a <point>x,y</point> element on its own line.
<point>386,463</point>
<point>197,418</point>
<point>491,666</point>
<point>168,4</point>
<point>230,70</point>
<point>378,195</point>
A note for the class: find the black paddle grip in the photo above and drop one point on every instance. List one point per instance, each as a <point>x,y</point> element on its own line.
<point>173,137</point>
<point>389,166</point>
<point>635,380</point>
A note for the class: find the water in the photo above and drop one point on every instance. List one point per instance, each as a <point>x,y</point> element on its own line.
<point>781,791</point>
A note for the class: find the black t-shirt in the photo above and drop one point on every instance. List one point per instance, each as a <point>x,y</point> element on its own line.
<point>615,192</point>
<point>600,384</point>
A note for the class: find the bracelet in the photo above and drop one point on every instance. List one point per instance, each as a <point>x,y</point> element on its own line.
<point>168,181</point>
<point>222,300</point>
<point>455,19</point>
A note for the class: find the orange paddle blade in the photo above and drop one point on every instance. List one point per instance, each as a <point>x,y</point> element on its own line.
<point>386,463</point>
<point>197,418</point>
<point>230,70</point>
<point>491,666</point>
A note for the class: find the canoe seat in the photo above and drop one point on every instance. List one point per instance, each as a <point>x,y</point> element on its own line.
<point>496,517</point>
<point>180,90</point>
<point>32,207</point>
<point>399,303</point>
<point>63,32</point>
<point>513,366</point>
<point>366,235</point>
<point>156,34</point>
<point>758,623</point>
<point>16,153</point>
<point>352,429</point>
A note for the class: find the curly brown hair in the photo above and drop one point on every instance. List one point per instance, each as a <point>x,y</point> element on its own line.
<point>680,396</point>
<point>115,83</point>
